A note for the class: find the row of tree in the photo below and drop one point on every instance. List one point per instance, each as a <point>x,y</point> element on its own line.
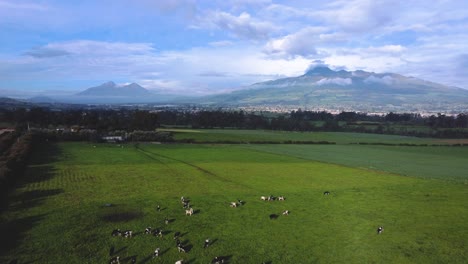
<point>130,120</point>
<point>13,160</point>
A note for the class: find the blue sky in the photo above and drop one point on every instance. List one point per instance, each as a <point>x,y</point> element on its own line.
<point>202,47</point>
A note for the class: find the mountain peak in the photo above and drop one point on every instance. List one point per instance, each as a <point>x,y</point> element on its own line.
<point>111,89</point>
<point>320,70</point>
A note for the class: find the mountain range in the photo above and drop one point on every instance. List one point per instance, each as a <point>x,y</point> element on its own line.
<point>320,88</point>
<point>358,90</point>
<point>114,90</point>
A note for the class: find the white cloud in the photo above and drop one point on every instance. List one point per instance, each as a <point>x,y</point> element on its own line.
<point>387,80</point>
<point>337,81</point>
<point>243,26</point>
<point>360,15</point>
<point>302,43</point>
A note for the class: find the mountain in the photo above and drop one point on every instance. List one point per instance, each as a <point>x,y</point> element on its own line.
<point>110,89</point>
<point>323,88</point>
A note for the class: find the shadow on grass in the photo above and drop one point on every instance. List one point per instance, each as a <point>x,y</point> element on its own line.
<point>120,213</point>
<point>13,231</point>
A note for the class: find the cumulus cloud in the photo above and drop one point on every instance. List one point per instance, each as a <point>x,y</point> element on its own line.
<point>387,80</point>
<point>243,26</point>
<point>302,43</point>
<point>337,81</point>
<point>360,15</point>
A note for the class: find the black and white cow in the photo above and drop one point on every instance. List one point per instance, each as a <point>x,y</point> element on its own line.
<point>189,211</point>
<point>380,230</point>
<point>166,220</point>
<point>281,198</point>
<point>286,212</point>
<point>128,233</point>
<point>273,216</point>
<point>156,253</point>
<point>176,235</point>
<point>218,260</point>
<point>207,243</point>
<point>181,248</point>
<point>326,193</point>
<point>233,204</point>
<point>148,230</point>
<point>115,260</point>
<point>116,232</point>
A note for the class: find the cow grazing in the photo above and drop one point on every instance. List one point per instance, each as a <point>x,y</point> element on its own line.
<point>148,230</point>
<point>156,253</point>
<point>178,243</point>
<point>326,193</point>
<point>240,202</point>
<point>176,235</point>
<point>116,232</point>
<point>179,262</point>
<point>189,211</point>
<point>128,233</point>
<point>379,230</point>
<point>281,198</point>
<point>286,212</point>
<point>271,198</point>
<point>273,216</point>
<point>186,205</point>
<point>158,208</point>
<point>263,198</point>
<point>157,232</point>
<point>233,204</point>
<point>218,260</point>
<point>115,260</point>
<point>166,220</point>
<point>207,243</point>
<point>181,248</point>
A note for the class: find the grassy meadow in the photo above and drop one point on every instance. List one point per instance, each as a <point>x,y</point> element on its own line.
<point>60,212</point>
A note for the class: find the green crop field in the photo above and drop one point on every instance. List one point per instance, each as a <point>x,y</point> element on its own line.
<point>74,194</point>
<point>233,135</point>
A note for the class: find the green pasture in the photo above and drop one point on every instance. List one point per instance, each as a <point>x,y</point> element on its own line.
<point>233,135</point>
<point>74,194</point>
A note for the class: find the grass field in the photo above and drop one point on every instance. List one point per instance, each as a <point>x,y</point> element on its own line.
<point>59,212</point>
<point>233,135</point>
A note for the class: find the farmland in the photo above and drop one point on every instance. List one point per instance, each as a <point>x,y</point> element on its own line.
<point>74,194</point>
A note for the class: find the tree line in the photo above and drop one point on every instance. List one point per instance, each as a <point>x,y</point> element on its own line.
<point>104,121</point>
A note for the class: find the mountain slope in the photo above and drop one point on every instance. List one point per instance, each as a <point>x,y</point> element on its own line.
<point>358,90</point>
<point>112,89</point>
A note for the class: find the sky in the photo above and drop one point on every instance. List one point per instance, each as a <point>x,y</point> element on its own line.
<point>214,46</point>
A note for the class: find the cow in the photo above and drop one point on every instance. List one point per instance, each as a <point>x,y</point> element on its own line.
<point>158,208</point>
<point>148,230</point>
<point>181,248</point>
<point>178,243</point>
<point>115,260</point>
<point>286,212</point>
<point>326,193</point>
<point>166,220</point>
<point>379,230</point>
<point>273,216</point>
<point>128,233</point>
<point>176,235</point>
<point>271,198</point>
<point>189,211</point>
<point>281,198</point>
<point>263,198</point>
<point>233,204</point>
<point>116,232</point>
<point>218,260</point>
<point>156,253</point>
<point>186,205</point>
<point>179,262</point>
<point>207,243</point>
<point>240,202</point>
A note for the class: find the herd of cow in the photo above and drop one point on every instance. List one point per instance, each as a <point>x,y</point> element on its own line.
<point>184,248</point>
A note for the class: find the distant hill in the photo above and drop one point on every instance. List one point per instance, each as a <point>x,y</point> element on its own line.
<point>42,99</point>
<point>110,89</point>
<point>322,87</point>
